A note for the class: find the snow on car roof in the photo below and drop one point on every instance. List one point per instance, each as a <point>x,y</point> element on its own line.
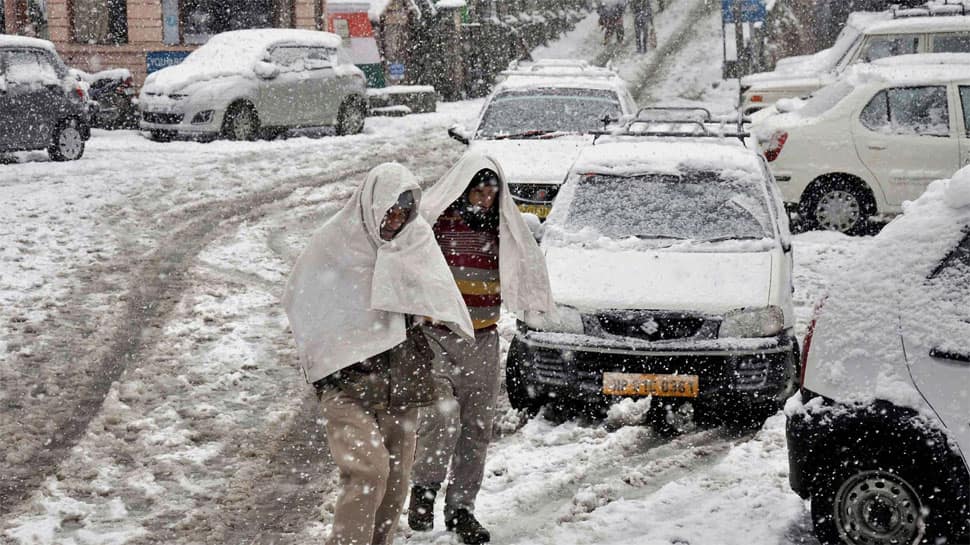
<point>664,155</point>
<point>252,40</point>
<point>912,69</point>
<point>560,73</point>
<point>7,40</point>
<point>916,25</point>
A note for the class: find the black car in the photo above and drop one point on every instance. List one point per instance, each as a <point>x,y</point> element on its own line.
<point>42,105</point>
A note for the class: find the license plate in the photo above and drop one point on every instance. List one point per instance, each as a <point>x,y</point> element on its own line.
<point>628,384</point>
<point>541,210</point>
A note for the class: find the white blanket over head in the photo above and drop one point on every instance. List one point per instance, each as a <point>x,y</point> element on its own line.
<point>522,267</point>
<point>349,291</point>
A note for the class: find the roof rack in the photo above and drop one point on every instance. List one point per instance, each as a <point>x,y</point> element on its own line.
<point>931,9</point>
<point>558,68</point>
<point>678,122</point>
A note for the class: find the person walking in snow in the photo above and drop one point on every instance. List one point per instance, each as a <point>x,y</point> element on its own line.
<point>611,19</point>
<point>494,259</point>
<point>642,23</point>
<point>351,301</point>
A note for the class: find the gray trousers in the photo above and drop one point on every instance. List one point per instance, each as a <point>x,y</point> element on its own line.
<point>458,428</point>
<point>374,449</point>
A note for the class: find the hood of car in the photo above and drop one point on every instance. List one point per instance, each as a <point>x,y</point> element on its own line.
<point>787,83</point>
<point>593,279</point>
<point>534,161</point>
<point>181,78</point>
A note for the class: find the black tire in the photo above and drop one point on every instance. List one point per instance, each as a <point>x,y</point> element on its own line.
<point>350,119</point>
<point>915,492</point>
<point>161,136</point>
<point>271,133</point>
<point>522,395</point>
<point>241,123</point>
<point>837,203</point>
<point>67,141</point>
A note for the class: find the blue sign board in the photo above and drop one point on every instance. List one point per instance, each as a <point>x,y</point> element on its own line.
<point>396,69</point>
<point>752,11</point>
<point>156,60</point>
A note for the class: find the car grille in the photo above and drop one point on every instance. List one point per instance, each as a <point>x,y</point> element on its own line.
<point>162,119</point>
<point>534,193</point>
<point>751,374</point>
<point>650,326</point>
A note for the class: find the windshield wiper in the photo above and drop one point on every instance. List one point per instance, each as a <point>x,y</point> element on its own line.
<point>532,134</point>
<point>659,237</point>
<point>729,237</point>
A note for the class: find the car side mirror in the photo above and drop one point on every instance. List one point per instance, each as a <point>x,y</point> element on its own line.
<point>460,134</point>
<point>535,225</point>
<point>266,70</point>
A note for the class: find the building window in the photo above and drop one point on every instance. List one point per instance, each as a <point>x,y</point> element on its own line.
<point>100,21</point>
<point>201,19</point>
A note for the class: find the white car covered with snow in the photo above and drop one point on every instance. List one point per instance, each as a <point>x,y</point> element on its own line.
<point>865,38</point>
<point>878,435</point>
<point>671,266</point>
<point>536,121</point>
<point>249,83</point>
<point>863,146</point>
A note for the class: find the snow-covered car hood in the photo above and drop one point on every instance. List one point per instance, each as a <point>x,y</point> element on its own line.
<point>592,279</point>
<point>793,83</point>
<point>534,161</point>
<point>179,77</point>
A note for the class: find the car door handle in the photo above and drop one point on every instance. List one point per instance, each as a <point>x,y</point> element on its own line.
<point>951,355</point>
<point>878,147</point>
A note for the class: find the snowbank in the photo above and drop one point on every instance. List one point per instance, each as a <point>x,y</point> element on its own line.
<point>958,191</point>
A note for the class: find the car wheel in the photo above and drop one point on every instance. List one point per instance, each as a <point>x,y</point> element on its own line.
<point>836,204</point>
<point>350,120</point>
<point>522,395</point>
<point>161,136</point>
<point>67,143</point>
<point>241,123</point>
<point>868,501</point>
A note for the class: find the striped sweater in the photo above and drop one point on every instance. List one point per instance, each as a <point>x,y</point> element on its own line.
<point>473,258</point>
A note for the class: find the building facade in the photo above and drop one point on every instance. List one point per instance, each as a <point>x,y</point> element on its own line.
<point>147,35</point>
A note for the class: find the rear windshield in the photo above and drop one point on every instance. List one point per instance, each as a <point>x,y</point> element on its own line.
<point>695,205</point>
<point>548,110</point>
<point>825,99</point>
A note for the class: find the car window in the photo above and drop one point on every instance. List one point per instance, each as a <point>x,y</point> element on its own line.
<point>692,205</point>
<point>548,110</point>
<point>965,102</point>
<point>288,58</point>
<point>921,111</point>
<point>27,67</point>
<point>951,43</point>
<point>879,47</point>
<point>319,58</point>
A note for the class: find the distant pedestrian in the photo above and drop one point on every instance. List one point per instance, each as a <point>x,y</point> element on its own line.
<point>611,19</point>
<point>642,23</point>
<point>494,260</point>
<point>352,299</point>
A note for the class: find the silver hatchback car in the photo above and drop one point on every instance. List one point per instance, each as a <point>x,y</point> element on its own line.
<point>246,84</point>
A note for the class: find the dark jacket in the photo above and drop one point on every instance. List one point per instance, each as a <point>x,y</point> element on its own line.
<point>400,378</point>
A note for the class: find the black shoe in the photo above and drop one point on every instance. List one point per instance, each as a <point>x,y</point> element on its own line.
<point>467,527</point>
<point>421,509</point>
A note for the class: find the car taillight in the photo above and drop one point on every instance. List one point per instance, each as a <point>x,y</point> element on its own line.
<point>807,344</point>
<point>79,91</point>
<point>775,145</point>
<point>757,98</point>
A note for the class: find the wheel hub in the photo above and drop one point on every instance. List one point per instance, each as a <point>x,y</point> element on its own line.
<point>838,211</point>
<point>70,142</point>
<point>878,508</point>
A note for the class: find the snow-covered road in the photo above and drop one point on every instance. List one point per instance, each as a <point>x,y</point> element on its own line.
<point>150,389</point>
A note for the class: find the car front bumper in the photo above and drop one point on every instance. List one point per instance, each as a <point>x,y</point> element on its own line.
<point>179,120</point>
<point>725,374</point>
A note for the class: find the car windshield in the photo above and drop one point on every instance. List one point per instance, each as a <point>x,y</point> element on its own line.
<point>844,44</point>
<point>522,112</point>
<point>702,206</point>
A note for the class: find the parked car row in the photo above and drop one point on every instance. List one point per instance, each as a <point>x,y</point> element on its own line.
<point>241,85</point>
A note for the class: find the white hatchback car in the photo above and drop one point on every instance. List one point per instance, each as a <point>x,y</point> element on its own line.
<point>866,144</point>
<point>249,83</point>
<point>879,434</point>
<point>671,267</point>
<point>867,37</point>
<point>538,118</point>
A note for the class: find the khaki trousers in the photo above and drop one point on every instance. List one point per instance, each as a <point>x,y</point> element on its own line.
<point>374,451</point>
<point>458,428</point>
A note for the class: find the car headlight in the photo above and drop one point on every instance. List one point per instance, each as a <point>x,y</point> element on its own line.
<point>755,322</point>
<point>563,320</point>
